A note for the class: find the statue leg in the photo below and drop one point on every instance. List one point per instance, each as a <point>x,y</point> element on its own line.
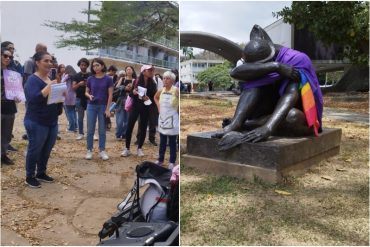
<point>254,123</point>
<point>294,124</point>
<point>247,103</point>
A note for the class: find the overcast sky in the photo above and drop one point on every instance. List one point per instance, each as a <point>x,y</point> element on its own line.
<point>232,19</point>
<point>21,23</point>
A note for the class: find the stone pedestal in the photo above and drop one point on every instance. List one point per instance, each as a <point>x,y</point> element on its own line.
<point>270,160</point>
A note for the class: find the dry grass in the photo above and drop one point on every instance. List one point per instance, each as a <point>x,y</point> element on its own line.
<point>230,211</point>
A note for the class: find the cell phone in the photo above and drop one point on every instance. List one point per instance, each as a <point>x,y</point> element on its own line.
<point>53,74</point>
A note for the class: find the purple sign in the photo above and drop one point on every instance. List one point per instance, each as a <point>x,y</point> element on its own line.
<point>13,86</point>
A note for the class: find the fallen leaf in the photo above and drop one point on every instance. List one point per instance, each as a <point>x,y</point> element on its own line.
<point>282,192</point>
<point>348,160</point>
<point>326,178</point>
<point>341,169</point>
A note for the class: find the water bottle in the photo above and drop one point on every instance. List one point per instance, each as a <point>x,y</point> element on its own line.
<point>112,107</point>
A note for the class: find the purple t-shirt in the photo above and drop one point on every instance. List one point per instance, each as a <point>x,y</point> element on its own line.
<point>99,89</point>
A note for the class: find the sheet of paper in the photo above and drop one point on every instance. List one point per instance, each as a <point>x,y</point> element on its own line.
<point>141,91</point>
<point>13,85</point>
<point>56,94</point>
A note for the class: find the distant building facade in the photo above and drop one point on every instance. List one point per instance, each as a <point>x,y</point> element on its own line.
<point>191,68</point>
<point>163,54</point>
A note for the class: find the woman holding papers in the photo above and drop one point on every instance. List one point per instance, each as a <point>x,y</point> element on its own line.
<point>8,110</point>
<point>40,121</point>
<point>99,91</point>
<point>142,93</point>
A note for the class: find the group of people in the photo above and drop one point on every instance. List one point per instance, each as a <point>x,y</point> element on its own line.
<point>99,92</point>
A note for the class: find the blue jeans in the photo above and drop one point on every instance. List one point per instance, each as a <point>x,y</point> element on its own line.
<point>162,147</point>
<point>70,111</point>
<point>121,122</point>
<point>80,116</point>
<point>95,112</point>
<point>41,140</point>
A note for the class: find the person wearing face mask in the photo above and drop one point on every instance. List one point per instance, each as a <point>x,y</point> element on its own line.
<point>8,110</point>
<point>40,121</point>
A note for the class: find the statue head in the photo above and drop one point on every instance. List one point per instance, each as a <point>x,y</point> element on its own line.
<point>260,48</point>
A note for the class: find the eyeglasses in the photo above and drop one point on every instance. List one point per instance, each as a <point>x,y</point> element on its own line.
<point>7,56</point>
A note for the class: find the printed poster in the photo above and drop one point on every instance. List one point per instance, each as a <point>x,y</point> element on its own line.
<point>13,85</point>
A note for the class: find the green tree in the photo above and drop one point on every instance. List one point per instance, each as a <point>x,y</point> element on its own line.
<point>343,23</point>
<point>187,52</point>
<point>219,75</point>
<point>119,22</point>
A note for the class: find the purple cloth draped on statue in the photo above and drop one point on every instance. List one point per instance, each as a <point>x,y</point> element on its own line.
<point>297,60</point>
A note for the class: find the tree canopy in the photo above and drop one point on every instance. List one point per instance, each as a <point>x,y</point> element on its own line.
<point>344,23</point>
<point>120,22</point>
<point>218,74</point>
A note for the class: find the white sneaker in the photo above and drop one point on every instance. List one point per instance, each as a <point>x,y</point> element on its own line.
<point>89,155</point>
<point>125,152</point>
<point>140,152</point>
<point>80,137</point>
<point>171,166</point>
<point>157,162</point>
<point>95,138</point>
<point>103,155</point>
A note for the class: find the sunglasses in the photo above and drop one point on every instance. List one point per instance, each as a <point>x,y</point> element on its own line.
<point>7,56</point>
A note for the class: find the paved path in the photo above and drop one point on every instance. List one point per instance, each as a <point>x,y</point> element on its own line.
<point>346,115</point>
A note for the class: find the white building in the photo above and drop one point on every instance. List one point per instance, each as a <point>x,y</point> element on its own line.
<point>162,53</point>
<point>190,69</point>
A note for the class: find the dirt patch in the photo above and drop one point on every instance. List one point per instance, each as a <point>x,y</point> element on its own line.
<point>44,216</point>
<point>328,205</point>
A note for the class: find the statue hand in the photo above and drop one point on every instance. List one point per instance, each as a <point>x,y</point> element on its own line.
<point>230,140</point>
<point>290,72</point>
<point>256,135</point>
<point>218,134</point>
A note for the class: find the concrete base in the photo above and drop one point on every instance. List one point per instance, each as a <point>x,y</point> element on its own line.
<point>270,160</point>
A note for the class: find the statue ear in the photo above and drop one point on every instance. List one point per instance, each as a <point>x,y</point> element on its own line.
<point>259,33</point>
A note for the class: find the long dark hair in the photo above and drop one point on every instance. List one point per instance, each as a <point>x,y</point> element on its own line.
<point>141,80</point>
<point>3,50</point>
<point>134,76</point>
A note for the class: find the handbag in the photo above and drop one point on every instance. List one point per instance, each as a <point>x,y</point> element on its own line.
<point>128,104</point>
<point>129,101</point>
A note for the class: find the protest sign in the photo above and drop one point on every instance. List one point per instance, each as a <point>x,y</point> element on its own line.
<point>13,85</point>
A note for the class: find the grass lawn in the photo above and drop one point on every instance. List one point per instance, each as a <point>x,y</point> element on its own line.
<point>327,206</point>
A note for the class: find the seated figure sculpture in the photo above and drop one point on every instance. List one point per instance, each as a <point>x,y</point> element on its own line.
<point>281,94</point>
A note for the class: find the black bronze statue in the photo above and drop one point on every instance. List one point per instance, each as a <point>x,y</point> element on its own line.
<point>281,94</point>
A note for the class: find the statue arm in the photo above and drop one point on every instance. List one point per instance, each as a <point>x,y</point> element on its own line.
<point>272,70</point>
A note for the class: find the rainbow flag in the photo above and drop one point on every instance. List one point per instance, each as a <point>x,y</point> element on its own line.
<point>308,102</point>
